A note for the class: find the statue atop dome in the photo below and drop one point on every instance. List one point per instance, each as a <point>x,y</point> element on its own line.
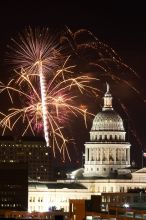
<point>107,88</point>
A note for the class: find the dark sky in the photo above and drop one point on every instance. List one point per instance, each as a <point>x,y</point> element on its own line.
<point>120,24</point>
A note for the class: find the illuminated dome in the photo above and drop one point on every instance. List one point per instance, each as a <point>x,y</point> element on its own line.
<point>107,119</point>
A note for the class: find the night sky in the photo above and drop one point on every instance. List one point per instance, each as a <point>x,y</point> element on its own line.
<point>119,24</point>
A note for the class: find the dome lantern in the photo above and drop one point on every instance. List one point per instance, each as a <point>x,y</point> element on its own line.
<point>107,119</point>
<point>107,99</point>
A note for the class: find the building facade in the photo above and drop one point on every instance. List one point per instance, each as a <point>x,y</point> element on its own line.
<point>13,186</point>
<point>34,153</point>
<point>50,196</point>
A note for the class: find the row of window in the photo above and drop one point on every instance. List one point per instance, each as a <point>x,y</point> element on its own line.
<point>18,145</point>
<point>10,205</point>
<point>104,169</point>
<point>6,151</point>
<point>33,199</point>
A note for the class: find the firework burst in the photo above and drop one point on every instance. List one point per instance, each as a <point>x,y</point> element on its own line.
<point>49,86</point>
<point>37,54</point>
<point>94,56</point>
<point>59,102</point>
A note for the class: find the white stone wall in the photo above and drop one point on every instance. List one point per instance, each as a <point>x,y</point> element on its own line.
<point>103,158</point>
<point>41,199</point>
<point>44,199</point>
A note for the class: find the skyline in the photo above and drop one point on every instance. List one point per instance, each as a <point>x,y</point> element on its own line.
<point>127,38</point>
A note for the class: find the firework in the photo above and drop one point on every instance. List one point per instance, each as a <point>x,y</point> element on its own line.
<point>99,58</point>
<point>50,87</point>
<point>37,53</point>
<point>59,103</point>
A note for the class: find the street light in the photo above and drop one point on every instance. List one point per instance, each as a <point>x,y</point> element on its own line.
<point>126,205</point>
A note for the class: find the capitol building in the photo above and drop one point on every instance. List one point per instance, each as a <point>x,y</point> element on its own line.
<point>107,151</point>
<point>107,166</point>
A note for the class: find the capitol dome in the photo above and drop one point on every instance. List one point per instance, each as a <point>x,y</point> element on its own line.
<point>107,119</point>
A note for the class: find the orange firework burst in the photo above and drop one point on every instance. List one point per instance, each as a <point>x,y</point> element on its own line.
<point>49,87</point>
<point>60,103</point>
<point>37,54</point>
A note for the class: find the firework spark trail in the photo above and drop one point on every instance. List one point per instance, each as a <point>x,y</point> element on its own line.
<point>44,100</point>
<point>84,44</point>
<point>132,128</point>
<point>106,63</point>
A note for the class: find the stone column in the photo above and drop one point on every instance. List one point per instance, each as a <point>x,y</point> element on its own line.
<point>86,154</point>
<point>128,155</point>
<point>114,155</point>
<point>95,154</point>
<point>108,155</point>
<point>125,154</point>
<point>101,155</point>
<point>90,153</point>
<point>120,155</point>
